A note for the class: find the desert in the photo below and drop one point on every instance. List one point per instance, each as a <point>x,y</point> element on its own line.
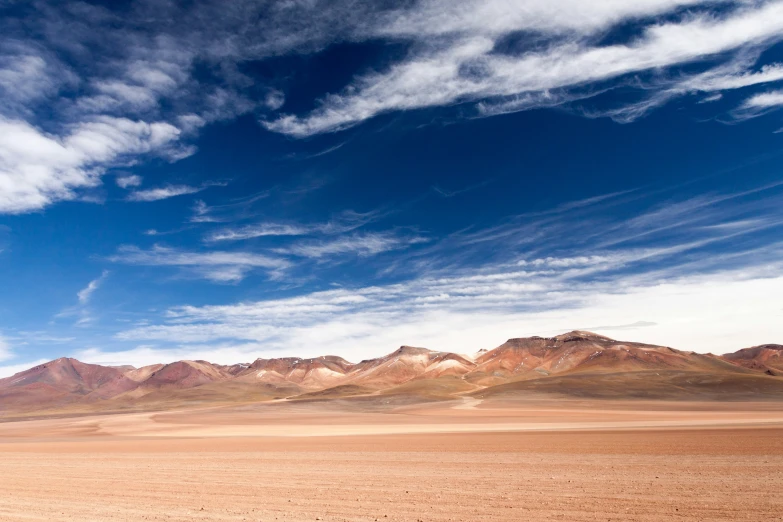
<point>574,427</point>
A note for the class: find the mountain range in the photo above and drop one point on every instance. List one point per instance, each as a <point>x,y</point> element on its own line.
<point>576,364</point>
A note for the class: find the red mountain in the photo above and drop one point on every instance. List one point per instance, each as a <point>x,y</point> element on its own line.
<point>61,381</point>
<point>767,358</point>
<point>570,363</point>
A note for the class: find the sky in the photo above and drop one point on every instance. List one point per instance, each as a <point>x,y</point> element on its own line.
<point>228,181</point>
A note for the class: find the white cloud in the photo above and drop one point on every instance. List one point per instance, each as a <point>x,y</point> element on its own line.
<point>340,223</point>
<point>28,74</point>
<point>362,245</point>
<point>711,98</point>
<point>37,169</point>
<point>720,80</point>
<point>157,194</point>
<point>86,293</point>
<point>128,181</point>
<point>466,66</point>
<point>717,313</point>
<point>500,17</point>
<point>254,231</point>
<point>764,100</point>
<point>479,287</point>
<point>218,266</point>
<point>275,99</point>
<point>115,88</point>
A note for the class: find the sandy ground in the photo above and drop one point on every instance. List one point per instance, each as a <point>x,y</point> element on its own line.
<point>463,460</point>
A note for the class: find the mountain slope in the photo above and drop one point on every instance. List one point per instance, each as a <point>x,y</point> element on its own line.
<point>576,364</point>
<point>62,381</point>
<point>579,351</point>
<point>767,358</point>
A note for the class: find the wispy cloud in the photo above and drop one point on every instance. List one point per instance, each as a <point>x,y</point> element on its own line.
<point>340,223</point>
<point>764,100</point>
<point>242,208</point>
<point>218,266</point>
<point>169,191</point>
<point>451,193</point>
<point>85,294</point>
<point>254,231</point>
<point>128,181</point>
<point>464,65</point>
<point>37,169</point>
<point>120,86</point>
<point>82,313</point>
<point>480,311</point>
<point>538,273</point>
<point>362,245</point>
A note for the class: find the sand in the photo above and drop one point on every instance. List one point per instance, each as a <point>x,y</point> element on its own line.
<point>347,461</point>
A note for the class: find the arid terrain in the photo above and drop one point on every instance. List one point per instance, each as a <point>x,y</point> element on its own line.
<point>576,364</point>
<point>450,460</point>
<point>574,428</point>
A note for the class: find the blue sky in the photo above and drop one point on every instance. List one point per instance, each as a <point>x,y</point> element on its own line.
<point>196,180</point>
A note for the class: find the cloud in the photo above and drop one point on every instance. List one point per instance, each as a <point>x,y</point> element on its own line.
<point>711,98</point>
<point>217,266</point>
<point>466,66</point>
<point>534,274</point>
<point>733,77</point>
<point>128,181</point>
<point>238,209</point>
<point>467,313</point>
<point>362,245</point>
<point>28,75</point>
<point>86,293</point>
<point>764,100</point>
<point>254,231</point>
<point>85,88</point>
<point>340,223</point>
<point>157,194</point>
<point>37,169</point>
<point>451,193</point>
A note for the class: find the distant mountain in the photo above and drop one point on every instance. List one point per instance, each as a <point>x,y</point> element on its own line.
<point>577,364</point>
<point>578,351</point>
<point>767,358</point>
<point>63,381</point>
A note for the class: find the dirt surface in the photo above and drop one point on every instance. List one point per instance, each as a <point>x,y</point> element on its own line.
<point>460,460</point>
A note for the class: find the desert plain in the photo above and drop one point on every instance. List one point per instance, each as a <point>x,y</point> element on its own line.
<point>353,460</point>
<point>577,427</point>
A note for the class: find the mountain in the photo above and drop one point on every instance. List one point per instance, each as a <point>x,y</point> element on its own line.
<point>308,374</point>
<point>406,364</point>
<point>579,351</point>
<point>63,381</point>
<point>767,358</point>
<point>577,363</point>
<point>185,374</point>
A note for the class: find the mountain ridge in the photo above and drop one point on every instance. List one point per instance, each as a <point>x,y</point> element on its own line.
<point>519,364</point>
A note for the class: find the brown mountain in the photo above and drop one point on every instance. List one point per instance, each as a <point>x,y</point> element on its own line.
<point>63,381</point>
<point>579,351</point>
<point>767,358</point>
<point>406,364</point>
<point>308,374</point>
<point>574,364</point>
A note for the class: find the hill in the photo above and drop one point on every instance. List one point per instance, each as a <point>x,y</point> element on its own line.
<point>577,363</point>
